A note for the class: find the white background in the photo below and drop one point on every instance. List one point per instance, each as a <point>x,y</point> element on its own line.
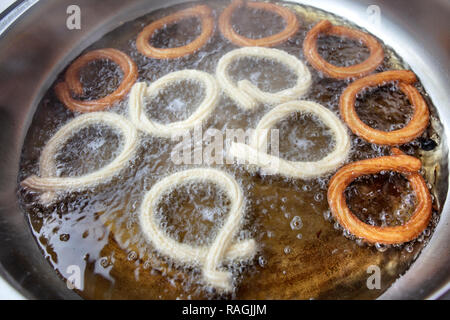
<point>5,4</point>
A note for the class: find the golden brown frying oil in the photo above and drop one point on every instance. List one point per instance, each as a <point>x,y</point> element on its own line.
<point>303,253</point>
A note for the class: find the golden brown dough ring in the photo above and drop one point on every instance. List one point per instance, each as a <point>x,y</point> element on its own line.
<point>72,81</point>
<point>412,130</point>
<point>399,162</point>
<point>354,71</point>
<point>226,27</point>
<point>223,248</point>
<point>203,12</point>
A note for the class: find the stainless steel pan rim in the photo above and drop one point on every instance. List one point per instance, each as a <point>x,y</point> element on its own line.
<point>417,30</point>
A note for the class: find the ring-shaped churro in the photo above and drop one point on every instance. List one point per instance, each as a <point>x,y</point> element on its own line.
<point>72,81</point>
<point>246,94</point>
<point>140,91</point>
<point>203,12</point>
<point>355,71</point>
<point>222,249</point>
<point>289,17</point>
<point>398,162</point>
<point>255,153</point>
<point>50,184</point>
<point>414,128</point>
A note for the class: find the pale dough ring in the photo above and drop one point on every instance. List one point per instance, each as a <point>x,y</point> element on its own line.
<point>50,184</point>
<point>255,153</point>
<point>209,258</point>
<point>246,94</point>
<point>203,111</point>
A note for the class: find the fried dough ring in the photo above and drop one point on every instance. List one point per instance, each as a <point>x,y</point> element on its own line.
<point>72,81</point>
<point>412,130</point>
<point>354,71</point>
<point>206,107</point>
<point>226,27</point>
<point>246,94</point>
<point>203,12</point>
<point>255,153</point>
<point>399,162</point>
<point>49,183</point>
<point>223,248</point>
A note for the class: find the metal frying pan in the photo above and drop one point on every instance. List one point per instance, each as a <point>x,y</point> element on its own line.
<point>35,46</point>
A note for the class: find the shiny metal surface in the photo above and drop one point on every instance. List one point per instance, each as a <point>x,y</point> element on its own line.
<point>37,46</point>
<point>14,12</point>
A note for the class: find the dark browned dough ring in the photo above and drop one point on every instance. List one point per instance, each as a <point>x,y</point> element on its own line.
<point>414,128</point>
<point>226,27</point>
<point>399,162</point>
<point>203,12</point>
<point>72,81</point>
<point>354,71</point>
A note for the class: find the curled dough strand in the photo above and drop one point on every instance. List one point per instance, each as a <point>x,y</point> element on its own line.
<point>226,27</point>
<point>209,258</point>
<point>355,71</point>
<point>203,12</point>
<point>140,91</point>
<point>399,162</point>
<point>72,81</point>
<point>412,130</point>
<point>246,94</point>
<point>255,152</point>
<point>49,183</point>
